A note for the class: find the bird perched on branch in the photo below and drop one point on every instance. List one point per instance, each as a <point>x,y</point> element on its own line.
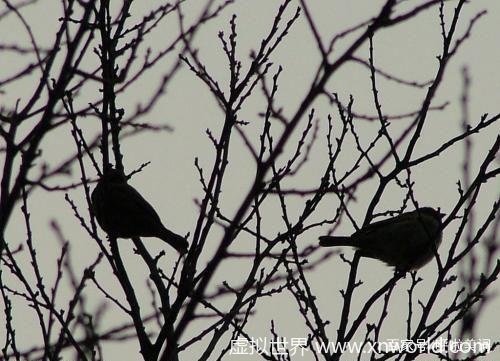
<point>123,213</point>
<point>407,241</point>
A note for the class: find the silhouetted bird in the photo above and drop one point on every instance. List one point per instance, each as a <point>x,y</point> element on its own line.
<point>407,241</point>
<point>122,212</point>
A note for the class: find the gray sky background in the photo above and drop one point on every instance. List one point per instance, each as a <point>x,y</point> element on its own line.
<point>171,182</point>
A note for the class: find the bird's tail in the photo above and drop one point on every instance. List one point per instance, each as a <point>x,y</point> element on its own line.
<point>176,241</point>
<point>333,241</point>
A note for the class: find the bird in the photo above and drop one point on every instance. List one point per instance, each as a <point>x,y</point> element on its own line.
<point>407,241</point>
<point>122,212</point>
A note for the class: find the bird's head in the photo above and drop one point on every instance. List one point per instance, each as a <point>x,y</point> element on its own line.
<point>432,212</point>
<point>113,175</point>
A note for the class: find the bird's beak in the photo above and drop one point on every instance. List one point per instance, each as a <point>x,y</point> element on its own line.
<point>441,214</point>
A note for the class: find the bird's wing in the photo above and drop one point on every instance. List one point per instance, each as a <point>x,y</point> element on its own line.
<point>387,230</point>
<point>389,240</point>
<point>376,226</point>
<point>135,212</point>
